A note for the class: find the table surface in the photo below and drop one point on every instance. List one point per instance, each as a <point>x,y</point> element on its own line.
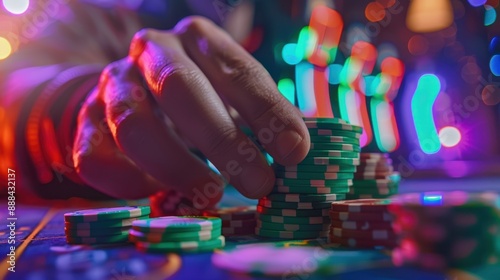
<point>42,252</point>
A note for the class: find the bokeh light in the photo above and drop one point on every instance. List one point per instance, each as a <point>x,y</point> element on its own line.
<point>495,45</point>
<point>490,15</point>
<point>5,48</point>
<point>429,15</point>
<point>491,95</point>
<point>418,45</point>
<point>477,3</point>
<point>387,3</point>
<point>374,12</point>
<point>449,136</point>
<point>493,3</point>
<point>495,65</point>
<point>16,7</point>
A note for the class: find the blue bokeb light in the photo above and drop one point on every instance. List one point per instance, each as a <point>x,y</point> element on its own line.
<point>432,199</point>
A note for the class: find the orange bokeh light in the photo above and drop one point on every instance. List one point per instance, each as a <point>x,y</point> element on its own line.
<point>374,12</point>
<point>387,3</point>
<point>418,45</point>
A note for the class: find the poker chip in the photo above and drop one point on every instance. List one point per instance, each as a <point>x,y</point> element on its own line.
<point>239,223</point>
<point>360,243</point>
<point>375,234</point>
<point>313,182</point>
<point>337,139</point>
<point>292,212</point>
<point>316,168</point>
<point>333,126</point>
<point>184,246</point>
<point>361,225</point>
<point>236,220</point>
<point>311,190</point>
<point>329,132</point>
<point>155,237</point>
<point>102,214</point>
<point>243,212</point>
<point>177,224</point>
<point>102,225</point>
<point>293,205</point>
<point>356,216</point>
<point>362,205</point>
<point>292,227</point>
<point>270,260</point>
<point>290,234</point>
<point>236,231</point>
<point>294,220</point>
<point>292,197</point>
<point>311,175</point>
<point>335,146</point>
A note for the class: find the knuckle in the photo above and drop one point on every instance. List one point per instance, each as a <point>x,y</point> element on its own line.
<point>140,39</point>
<point>193,24</point>
<point>174,73</point>
<point>221,142</point>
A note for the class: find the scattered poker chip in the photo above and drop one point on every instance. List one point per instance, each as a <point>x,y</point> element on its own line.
<point>335,146</point>
<point>119,238</point>
<point>292,197</point>
<point>292,227</point>
<point>115,223</point>
<point>360,243</point>
<point>294,205</point>
<point>174,236</point>
<point>177,224</point>
<point>362,205</point>
<point>290,234</point>
<point>332,153</point>
<point>329,160</point>
<point>316,168</point>
<point>233,213</point>
<point>294,220</point>
<point>185,246</point>
<point>292,212</point>
<point>348,216</point>
<point>361,225</point>
<point>333,126</point>
<point>376,234</point>
<point>270,260</point>
<point>96,232</point>
<point>310,189</point>
<point>101,214</point>
<point>336,139</point>
<point>310,175</point>
<point>329,132</point>
<point>314,182</point>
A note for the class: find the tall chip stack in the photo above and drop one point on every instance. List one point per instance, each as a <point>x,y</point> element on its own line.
<point>446,230</point>
<point>299,204</point>
<point>361,223</point>
<point>374,177</point>
<point>236,221</point>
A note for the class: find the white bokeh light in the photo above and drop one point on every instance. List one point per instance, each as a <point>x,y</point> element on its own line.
<point>16,7</point>
<point>449,136</point>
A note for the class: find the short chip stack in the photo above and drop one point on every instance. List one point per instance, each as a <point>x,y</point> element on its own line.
<point>299,204</point>
<point>443,230</point>
<point>177,234</point>
<point>374,177</point>
<point>235,220</point>
<point>362,223</point>
<point>102,225</point>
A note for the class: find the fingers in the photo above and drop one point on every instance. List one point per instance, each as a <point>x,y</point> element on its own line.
<point>143,135</point>
<point>99,162</point>
<point>248,87</point>
<point>187,97</point>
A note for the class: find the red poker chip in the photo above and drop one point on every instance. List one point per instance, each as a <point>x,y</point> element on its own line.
<point>239,223</point>
<point>353,216</point>
<point>373,155</point>
<point>361,205</point>
<point>238,231</point>
<point>374,234</point>
<point>361,225</point>
<point>233,213</point>
<point>360,243</point>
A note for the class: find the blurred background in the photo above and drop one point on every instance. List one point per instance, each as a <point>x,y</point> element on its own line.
<point>421,77</point>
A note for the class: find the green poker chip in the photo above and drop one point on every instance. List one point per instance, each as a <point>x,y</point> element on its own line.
<point>334,139</point>
<point>297,198</point>
<point>315,168</point>
<point>177,224</point>
<point>292,212</point>
<point>290,234</point>
<point>184,246</point>
<point>378,191</point>
<point>310,190</point>
<point>292,227</point>
<point>335,146</point>
<point>333,153</point>
<point>294,220</point>
<point>332,132</point>
<point>315,175</point>
<point>313,183</point>
<point>325,120</point>
<point>294,205</point>
<point>155,237</point>
<point>329,161</point>
<point>332,125</point>
<point>377,183</point>
<point>96,232</point>
<point>102,225</point>
<point>364,196</point>
<point>119,238</point>
<point>102,214</point>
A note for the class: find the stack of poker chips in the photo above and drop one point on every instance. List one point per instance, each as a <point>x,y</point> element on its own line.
<point>443,230</point>
<point>298,206</point>
<point>362,223</point>
<point>374,177</point>
<point>235,220</point>
<point>102,225</point>
<point>177,234</point>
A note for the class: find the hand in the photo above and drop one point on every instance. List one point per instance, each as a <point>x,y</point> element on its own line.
<point>172,89</point>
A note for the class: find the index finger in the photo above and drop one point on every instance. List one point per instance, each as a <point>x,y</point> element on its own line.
<point>248,87</point>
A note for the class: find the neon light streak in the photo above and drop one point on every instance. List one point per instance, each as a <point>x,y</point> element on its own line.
<point>306,42</point>
<point>292,54</point>
<point>384,125</point>
<point>328,25</point>
<point>304,80</point>
<point>322,93</point>
<point>353,109</point>
<point>425,95</point>
<point>287,88</point>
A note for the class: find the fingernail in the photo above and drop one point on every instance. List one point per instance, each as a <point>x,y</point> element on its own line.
<point>287,142</point>
<point>256,181</point>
